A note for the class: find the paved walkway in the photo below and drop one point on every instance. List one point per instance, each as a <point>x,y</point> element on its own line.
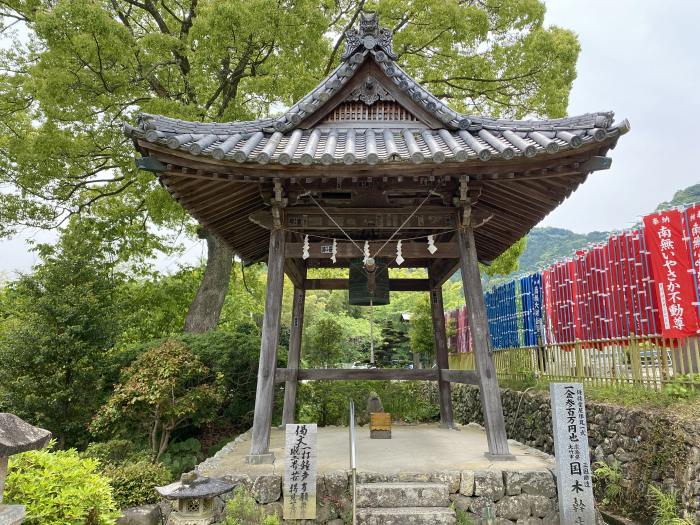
<point>412,448</point>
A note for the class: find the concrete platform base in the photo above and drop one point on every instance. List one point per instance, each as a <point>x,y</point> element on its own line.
<point>412,448</point>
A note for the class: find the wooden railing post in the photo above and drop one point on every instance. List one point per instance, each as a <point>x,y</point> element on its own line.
<point>440,340</point>
<point>488,382</point>
<point>294,356</point>
<point>265,393</point>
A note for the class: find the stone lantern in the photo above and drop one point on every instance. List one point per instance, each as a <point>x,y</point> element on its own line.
<point>193,498</point>
<point>16,435</point>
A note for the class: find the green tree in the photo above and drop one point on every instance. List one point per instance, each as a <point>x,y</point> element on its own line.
<point>421,329</point>
<point>395,347</point>
<point>324,342</point>
<point>164,389</point>
<point>81,67</point>
<point>60,321</point>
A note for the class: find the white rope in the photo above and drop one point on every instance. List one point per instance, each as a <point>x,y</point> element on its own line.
<point>333,220</point>
<point>430,193</point>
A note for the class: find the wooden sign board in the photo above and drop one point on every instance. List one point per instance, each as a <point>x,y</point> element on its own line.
<point>380,425</point>
<point>574,482</point>
<point>300,464</point>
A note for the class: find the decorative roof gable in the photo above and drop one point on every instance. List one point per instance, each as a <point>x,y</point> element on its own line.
<point>368,72</point>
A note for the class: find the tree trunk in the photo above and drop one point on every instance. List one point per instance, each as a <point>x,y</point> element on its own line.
<point>416,360</point>
<point>205,309</point>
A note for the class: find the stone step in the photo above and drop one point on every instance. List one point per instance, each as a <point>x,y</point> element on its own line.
<point>408,494</point>
<point>407,515</point>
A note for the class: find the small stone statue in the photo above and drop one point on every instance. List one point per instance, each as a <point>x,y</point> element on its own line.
<point>16,435</point>
<point>374,403</point>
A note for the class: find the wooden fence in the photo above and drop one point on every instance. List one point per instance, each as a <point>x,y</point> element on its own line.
<point>649,362</point>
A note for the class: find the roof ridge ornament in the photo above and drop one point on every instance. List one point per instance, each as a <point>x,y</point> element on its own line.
<point>370,36</point>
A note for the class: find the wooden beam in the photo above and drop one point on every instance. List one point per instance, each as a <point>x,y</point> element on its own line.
<point>440,341</point>
<point>491,405</point>
<point>347,250</point>
<point>375,374</point>
<point>294,355</point>
<point>296,271</point>
<point>468,377</point>
<point>313,218</point>
<point>395,285</point>
<point>264,395</point>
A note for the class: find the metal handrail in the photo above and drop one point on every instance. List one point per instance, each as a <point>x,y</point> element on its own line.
<point>353,463</point>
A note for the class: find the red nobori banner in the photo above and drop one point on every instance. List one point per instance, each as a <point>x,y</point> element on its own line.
<point>691,221</point>
<point>671,267</point>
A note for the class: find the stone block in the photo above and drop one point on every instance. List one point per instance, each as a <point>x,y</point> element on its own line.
<point>533,482</point>
<point>12,514</point>
<point>461,502</point>
<point>333,485</point>
<point>551,519</point>
<point>267,489</point>
<point>402,516</point>
<point>540,506</point>
<point>530,521</point>
<point>452,478</point>
<point>466,485</point>
<point>273,509</point>
<point>143,515</point>
<point>514,507</point>
<point>390,495</point>
<point>240,480</point>
<point>479,503</point>
<point>489,483</point>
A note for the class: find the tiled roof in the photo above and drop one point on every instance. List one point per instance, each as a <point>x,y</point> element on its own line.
<point>485,139</point>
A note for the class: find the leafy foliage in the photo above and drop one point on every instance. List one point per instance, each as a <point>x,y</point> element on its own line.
<point>421,330</point>
<point>131,473</point>
<point>324,342</point>
<point>326,402</point>
<point>666,508</point>
<point>60,487</point>
<point>242,509</point>
<point>609,478</point>
<point>59,324</point>
<point>182,456</point>
<point>133,483</point>
<point>163,389</point>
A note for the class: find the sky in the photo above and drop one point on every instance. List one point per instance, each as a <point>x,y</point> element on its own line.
<point>638,58</point>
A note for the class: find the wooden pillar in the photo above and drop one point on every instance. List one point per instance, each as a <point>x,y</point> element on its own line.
<point>264,397</point>
<point>290,387</point>
<point>488,382</point>
<point>440,339</point>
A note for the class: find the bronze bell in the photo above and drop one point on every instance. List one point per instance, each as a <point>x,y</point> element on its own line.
<point>369,283</point>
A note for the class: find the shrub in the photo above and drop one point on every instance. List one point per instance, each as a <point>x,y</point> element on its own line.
<point>182,456</point>
<point>608,480</point>
<point>166,388</point>
<point>326,402</point>
<point>59,488</point>
<point>132,475</point>
<point>133,482</point>
<point>242,509</point>
<point>666,507</point>
<point>115,451</point>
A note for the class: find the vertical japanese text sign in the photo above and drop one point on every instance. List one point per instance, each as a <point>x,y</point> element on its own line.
<point>299,488</point>
<point>574,484</point>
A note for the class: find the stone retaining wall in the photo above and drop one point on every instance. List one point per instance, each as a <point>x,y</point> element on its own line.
<point>517,497</point>
<point>648,446</point>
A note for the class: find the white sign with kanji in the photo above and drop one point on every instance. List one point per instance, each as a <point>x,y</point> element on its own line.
<point>299,486</point>
<point>574,480</point>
